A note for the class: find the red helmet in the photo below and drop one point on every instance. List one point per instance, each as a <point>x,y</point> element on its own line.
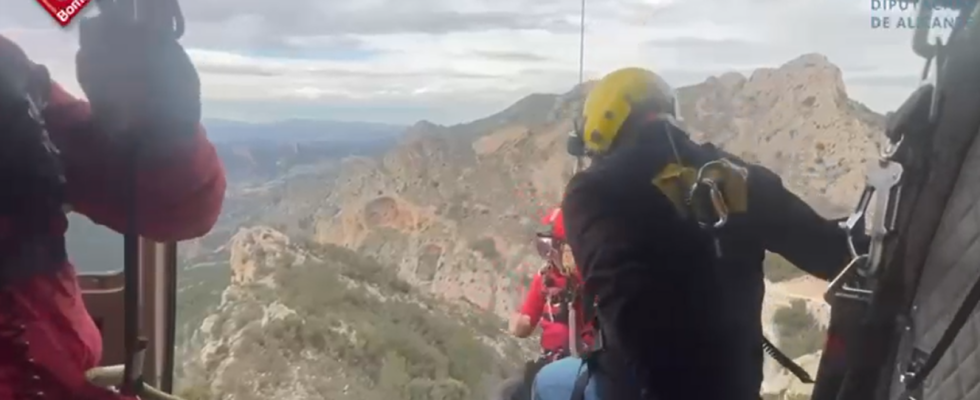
<point>549,242</point>
<point>555,219</point>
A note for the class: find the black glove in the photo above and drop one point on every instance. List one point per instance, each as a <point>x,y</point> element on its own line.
<point>137,77</point>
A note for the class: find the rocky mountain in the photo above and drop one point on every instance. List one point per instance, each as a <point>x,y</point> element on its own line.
<point>298,321</point>
<point>455,208</point>
<point>455,211</point>
<point>451,210</point>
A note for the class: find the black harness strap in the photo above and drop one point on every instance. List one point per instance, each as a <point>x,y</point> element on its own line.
<point>785,361</point>
<point>589,361</point>
<point>915,377</point>
<point>582,382</point>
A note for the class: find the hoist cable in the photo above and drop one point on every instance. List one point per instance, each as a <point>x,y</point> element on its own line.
<point>581,46</point>
<point>581,79</point>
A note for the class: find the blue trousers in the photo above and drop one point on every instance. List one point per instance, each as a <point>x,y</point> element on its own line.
<point>556,381</point>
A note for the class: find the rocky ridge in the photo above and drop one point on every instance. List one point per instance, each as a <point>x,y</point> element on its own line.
<point>301,321</point>
<point>455,208</point>
<point>456,211</point>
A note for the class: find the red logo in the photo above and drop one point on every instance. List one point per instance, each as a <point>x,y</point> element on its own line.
<point>63,11</point>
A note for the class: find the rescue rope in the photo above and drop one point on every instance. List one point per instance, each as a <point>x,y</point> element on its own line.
<point>581,46</point>
<point>579,161</point>
<point>573,334</point>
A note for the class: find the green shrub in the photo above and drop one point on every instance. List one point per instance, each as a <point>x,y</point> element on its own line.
<point>199,293</point>
<point>778,269</point>
<point>393,378</point>
<point>359,267</point>
<point>196,393</point>
<point>407,349</point>
<point>799,332</point>
<point>486,247</point>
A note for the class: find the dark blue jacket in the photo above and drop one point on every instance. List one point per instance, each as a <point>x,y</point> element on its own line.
<point>685,323</point>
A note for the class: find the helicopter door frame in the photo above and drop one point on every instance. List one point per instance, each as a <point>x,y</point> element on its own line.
<point>103,296</point>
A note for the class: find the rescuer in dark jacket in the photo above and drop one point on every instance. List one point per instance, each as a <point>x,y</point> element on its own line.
<point>679,303</point>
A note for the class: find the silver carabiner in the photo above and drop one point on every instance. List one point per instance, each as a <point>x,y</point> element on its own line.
<point>717,199</point>
<point>890,148</point>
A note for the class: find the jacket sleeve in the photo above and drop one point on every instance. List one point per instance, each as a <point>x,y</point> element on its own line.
<point>178,197</point>
<point>534,301</point>
<point>790,227</point>
<point>648,279</point>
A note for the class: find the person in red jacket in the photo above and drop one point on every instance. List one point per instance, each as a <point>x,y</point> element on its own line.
<point>553,293</point>
<point>553,289</point>
<point>47,337</point>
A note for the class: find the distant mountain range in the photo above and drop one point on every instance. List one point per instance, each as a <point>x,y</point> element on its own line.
<point>222,131</point>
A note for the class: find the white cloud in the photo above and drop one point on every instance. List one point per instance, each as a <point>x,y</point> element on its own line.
<point>451,61</point>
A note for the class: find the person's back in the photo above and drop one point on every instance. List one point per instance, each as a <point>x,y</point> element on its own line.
<point>672,236</point>
<point>662,303</point>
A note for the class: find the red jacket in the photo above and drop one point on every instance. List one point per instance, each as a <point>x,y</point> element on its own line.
<point>179,198</point>
<point>541,304</point>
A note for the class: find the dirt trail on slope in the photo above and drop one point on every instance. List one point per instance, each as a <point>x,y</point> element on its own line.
<point>806,287</point>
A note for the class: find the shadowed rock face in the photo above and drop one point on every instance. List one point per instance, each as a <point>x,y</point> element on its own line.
<point>454,187</point>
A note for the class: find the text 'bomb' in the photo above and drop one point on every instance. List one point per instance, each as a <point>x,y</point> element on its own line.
<point>63,11</point>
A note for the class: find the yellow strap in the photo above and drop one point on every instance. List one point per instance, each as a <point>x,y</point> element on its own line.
<point>675,181</point>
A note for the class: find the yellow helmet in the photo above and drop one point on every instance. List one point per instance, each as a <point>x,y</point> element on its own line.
<point>614,98</point>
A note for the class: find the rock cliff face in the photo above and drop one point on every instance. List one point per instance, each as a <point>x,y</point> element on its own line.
<point>305,322</point>
<point>455,209</point>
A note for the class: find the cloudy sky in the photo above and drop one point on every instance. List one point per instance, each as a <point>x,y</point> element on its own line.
<point>455,60</point>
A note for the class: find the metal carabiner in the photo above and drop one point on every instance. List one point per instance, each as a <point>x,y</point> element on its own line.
<point>890,148</point>
<point>717,199</point>
<point>858,215</point>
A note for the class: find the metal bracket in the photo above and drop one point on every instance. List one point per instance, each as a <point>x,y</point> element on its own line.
<point>839,287</point>
<point>885,177</point>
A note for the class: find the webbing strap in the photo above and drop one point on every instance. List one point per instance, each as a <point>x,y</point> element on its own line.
<point>785,361</point>
<point>582,381</point>
<point>914,379</point>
